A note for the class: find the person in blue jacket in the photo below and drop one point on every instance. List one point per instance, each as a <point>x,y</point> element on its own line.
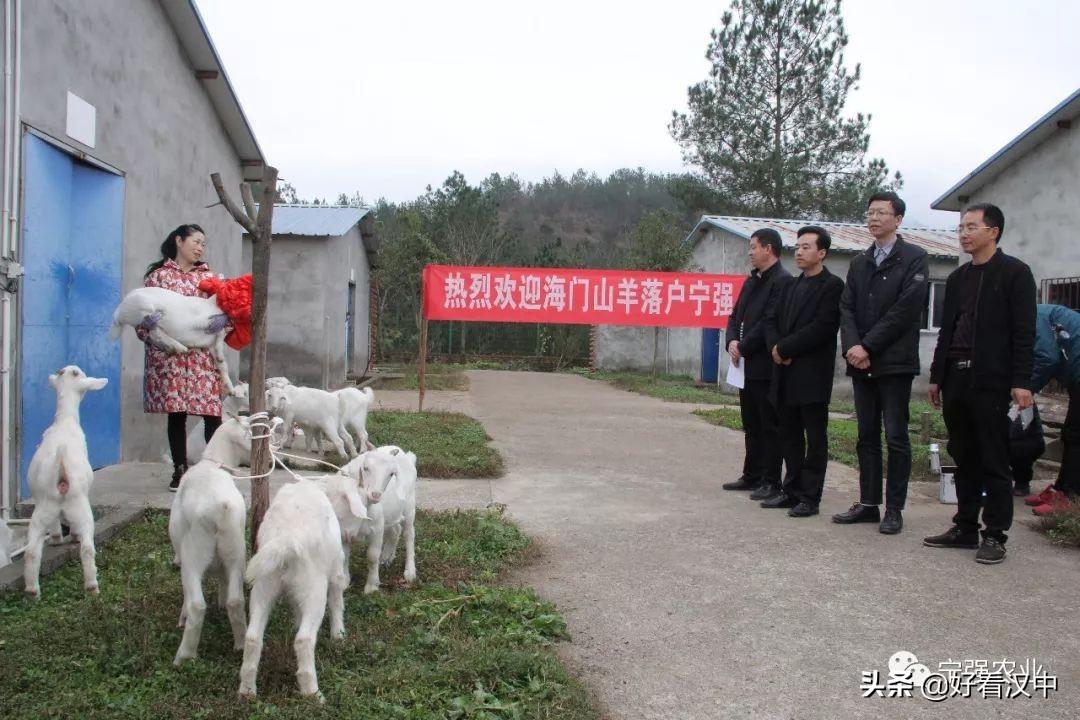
<point>1057,355</point>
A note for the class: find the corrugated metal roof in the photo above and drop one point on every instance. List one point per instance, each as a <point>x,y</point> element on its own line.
<point>846,237</point>
<point>316,220</point>
<point>1059,119</point>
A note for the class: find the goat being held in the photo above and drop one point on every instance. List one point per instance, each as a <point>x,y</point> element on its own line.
<point>60,477</point>
<point>176,323</point>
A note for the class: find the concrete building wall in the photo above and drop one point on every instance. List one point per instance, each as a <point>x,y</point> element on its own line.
<point>623,347</point>
<point>1039,194</point>
<point>155,124</point>
<point>307,303</point>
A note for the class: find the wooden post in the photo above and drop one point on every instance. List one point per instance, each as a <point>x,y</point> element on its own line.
<point>258,227</point>
<point>924,430</point>
<point>423,360</point>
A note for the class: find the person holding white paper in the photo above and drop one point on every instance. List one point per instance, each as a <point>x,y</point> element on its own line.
<point>746,347</point>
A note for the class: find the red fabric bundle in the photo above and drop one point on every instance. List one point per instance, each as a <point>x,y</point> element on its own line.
<point>234,299</point>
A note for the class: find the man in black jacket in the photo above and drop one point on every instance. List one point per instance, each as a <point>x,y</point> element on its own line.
<point>801,334</point>
<point>746,346</point>
<point>879,333</point>
<point>983,354</point>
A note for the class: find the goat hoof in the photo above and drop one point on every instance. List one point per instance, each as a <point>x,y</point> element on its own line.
<point>92,590</point>
<point>338,634</point>
<point>410,577</point>
<point>369,589</point>
<point>33,595</point>
<point>246,694</point>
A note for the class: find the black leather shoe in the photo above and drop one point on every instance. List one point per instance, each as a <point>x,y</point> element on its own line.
<point>954,537</point>
<point>803,509</point>
<point>1022,489</point>
<point>177,474</point>
<point>858,513</point>
<point>741,484</point>
<point>766,491</point>
<point>991,552</point>
<point>893,522</point>
<point>780,500</point>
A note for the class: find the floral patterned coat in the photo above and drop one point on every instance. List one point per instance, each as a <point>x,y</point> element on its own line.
<point>187,382</point>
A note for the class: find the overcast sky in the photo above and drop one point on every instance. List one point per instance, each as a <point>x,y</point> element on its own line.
<point>386,98</point>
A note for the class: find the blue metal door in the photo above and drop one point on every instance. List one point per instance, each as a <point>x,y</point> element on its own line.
<point>710,354</point>
<point>73,251</point>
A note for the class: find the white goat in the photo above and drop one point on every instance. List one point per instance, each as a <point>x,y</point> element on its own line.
<point>388,476</point>
<point>60,477</point>
<point>6,539</point>
<point>206,527</point>
<point>299,552</point>
<point>176,323</point>
<point>311,408</point>
<point>231,406</point>
<point>355,404</point>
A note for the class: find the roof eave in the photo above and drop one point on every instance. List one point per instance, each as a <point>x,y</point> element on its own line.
<point>195,39</point>
<point>1059,118</point>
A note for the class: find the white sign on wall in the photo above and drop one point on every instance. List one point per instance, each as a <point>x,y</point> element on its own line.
<point>81,120</point>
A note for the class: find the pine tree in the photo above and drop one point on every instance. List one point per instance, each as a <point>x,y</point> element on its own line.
<point>767,127</point>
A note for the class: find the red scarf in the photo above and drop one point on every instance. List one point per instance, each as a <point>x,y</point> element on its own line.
<point>234,299</point>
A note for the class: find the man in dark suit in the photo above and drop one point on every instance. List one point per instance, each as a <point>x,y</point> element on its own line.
<point>883,299</point>
<point>746,346</point>
<point>984,355</point>
<point>801,333</point>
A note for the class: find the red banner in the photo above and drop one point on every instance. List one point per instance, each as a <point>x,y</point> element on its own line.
<point>578,297</point>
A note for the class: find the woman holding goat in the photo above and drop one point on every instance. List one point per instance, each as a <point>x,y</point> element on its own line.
<point>188,383</point>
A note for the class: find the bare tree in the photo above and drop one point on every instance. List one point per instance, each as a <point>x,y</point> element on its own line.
<point>257,222</point>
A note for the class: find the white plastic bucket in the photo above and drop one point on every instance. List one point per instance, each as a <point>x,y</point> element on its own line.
<point>947,487</point>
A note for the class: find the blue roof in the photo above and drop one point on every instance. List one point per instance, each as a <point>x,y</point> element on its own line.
<point>316,220</point>
<point>1058,119</point>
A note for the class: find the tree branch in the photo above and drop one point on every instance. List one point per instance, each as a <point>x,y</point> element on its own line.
<point>249,201</point>
<point>237,214</point>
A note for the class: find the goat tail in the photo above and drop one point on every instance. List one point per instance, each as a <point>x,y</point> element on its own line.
<point>272,557</point>
<point>63,484</point>
<point>368,393</point>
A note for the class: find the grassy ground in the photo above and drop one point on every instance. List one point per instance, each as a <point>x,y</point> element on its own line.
<point>447,445</point>
<point>436,377</point>
<point>675,388</point>
<point>844,434</point>
<point>1063,527</point>
<point>456,646</point>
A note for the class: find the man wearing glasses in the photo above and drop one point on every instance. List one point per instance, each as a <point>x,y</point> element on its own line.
<point>880,309</point>
<point>984,354</point>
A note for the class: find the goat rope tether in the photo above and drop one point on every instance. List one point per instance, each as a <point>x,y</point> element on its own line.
<point>268,425</point>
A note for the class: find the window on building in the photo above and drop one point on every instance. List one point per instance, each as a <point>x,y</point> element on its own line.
<point>1061,291</point>
<point>935,305</point>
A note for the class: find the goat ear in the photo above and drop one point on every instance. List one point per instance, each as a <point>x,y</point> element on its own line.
<point>96,383</point>
<point>356,505</point>
<point>400,488</point>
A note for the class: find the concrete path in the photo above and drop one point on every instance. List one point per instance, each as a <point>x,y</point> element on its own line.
<point>685,601</point>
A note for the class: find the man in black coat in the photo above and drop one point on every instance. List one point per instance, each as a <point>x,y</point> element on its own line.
<point>746,346</point>
<point>984,354</point>
<point>801,333</point>
<point>883,299</point>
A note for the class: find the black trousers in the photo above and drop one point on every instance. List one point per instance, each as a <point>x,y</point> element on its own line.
<point>1069,476</point>
<point>761,434</point>
<point>978,425</point>
<point>805,443</point>
<point>877,400</point>
<point>177,430</point>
